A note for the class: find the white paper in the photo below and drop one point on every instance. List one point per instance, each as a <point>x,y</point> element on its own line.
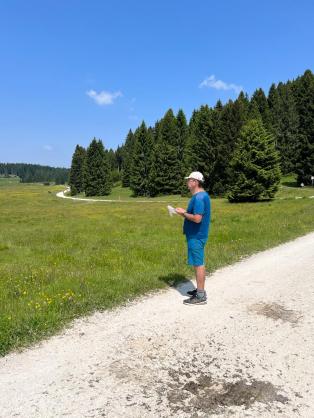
<point>171,210</point>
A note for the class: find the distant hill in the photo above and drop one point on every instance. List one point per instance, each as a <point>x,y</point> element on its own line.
<point>33,173</point>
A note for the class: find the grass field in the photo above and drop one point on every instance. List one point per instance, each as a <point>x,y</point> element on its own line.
<point>60,259</point>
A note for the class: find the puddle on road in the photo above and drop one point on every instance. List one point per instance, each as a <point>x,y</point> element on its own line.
<point>275,311</point>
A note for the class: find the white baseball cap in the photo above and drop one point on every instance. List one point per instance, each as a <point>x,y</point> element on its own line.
<point>196,175</point>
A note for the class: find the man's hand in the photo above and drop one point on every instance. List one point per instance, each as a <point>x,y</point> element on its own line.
<point>189,216</point>
<point>180,211</point>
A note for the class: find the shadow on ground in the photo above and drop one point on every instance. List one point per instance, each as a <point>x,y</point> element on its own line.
<point>178,282</point>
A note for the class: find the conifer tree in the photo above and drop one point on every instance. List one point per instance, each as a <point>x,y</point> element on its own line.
<point>76,177</point>
<point>284,124</point>
<point>217,178</point>
<point>127,159</point>
<point>303,89</point>
<point>141,161</point>
<point>166,172</point>
<point>156,131</point>
<point>255,164</point>
<point>183,140</point>
<point>288,128</point>
<point>260,101</point>
<point>98,181</point>
<point>119,153</point>
<point>111,158</point>
<point>228,121</point>
<point>182,133</point>
<point>168,131</point>
<point>275,108</point>
<point>164,164</point>
<point>202,144</point>
<point>254,112</point>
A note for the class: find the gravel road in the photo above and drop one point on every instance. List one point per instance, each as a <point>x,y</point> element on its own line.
<point>248,353</point>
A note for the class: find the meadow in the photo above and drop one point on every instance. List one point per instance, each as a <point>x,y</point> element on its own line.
<point>61,259</point>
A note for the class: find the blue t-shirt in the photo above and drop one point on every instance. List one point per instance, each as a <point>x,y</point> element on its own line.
<point>198,205</point>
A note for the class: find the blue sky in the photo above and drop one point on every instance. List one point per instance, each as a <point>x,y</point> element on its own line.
<point>72,70</point>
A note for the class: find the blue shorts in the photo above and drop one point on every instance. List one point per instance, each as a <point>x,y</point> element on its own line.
<point>196,251</point>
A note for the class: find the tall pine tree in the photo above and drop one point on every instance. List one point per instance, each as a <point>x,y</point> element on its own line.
<point>201,149</point>
<point>303,89</point>
<point>76,177</point>
<point>141,161</point>
<point>127,158</point>
<point>255,164</point>
<point>166,170</point>
<point>228,121</point>
<point>288,133</point>
<point>98,181</point>
<point>260,101</point>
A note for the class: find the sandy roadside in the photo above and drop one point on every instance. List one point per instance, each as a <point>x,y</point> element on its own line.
<point>248,353</point>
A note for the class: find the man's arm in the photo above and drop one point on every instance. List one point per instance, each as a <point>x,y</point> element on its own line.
<point>194,218</point>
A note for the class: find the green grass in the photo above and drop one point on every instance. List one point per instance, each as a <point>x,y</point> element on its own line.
<point>289,189</point>
<point>61,259</point>
<point>6,181</point>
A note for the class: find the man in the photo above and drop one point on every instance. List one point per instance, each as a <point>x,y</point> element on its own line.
<point>195,228</point>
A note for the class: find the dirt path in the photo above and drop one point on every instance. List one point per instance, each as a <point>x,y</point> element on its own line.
<point>248,353</point>
<point>88,199</point>
<point>137,200</point>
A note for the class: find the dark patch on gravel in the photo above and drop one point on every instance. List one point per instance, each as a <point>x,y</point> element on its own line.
<point>208,395</point>
<point>275,311</point>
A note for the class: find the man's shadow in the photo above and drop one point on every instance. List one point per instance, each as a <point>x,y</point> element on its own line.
<point>178,282</point>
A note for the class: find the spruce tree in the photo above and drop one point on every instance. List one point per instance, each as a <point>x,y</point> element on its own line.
<point>183,128</point>
<point>182,133</point>
<point>76,177</point>
<point>127,159</point>
<point>288,129</point>
<point>228,121</point>
<point>111,158</point>
<point>303,89</point>
<point>156,131</point>
<point>217,178</point>
<point>166,171</point>
<point>254,112</point>
<point>201,146</point>
<point>260,101</point>
<point>164,164</point>
<point>305,161</point>
<point>275,108</point>
<point>98,181</point>
<point>119,154</point>
<point>255,165</point>
<point>141,161</point>
<point>168,131</point>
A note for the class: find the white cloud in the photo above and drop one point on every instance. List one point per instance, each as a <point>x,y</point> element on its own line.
<point>103,97</point>
<point>219,84</point>
<point>48,147</point>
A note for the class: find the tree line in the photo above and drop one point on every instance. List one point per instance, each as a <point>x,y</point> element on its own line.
<point>241,147</point>
<point>33,173</point>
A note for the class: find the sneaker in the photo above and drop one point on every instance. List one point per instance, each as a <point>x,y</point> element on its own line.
<point>195,300</point>
<point>192,292</point>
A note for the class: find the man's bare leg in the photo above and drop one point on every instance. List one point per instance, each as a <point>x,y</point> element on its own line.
<point>200,277</point>
<point>199,297</point>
